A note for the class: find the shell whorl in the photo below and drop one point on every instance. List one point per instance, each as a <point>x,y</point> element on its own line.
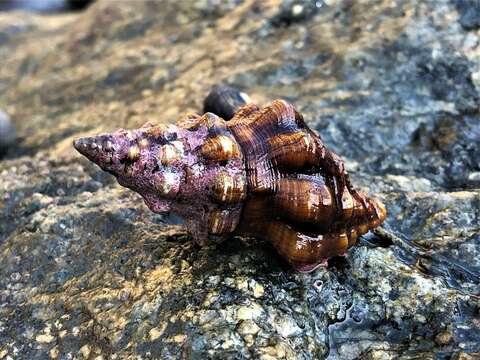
<point>310,197</point>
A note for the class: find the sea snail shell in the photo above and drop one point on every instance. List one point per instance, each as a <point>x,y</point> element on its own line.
<point>263,172</point>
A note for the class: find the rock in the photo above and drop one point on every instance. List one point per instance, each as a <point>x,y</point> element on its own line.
<point>7,133</point>
<point>443,338</point>
<point>85,351</point>
<point>88,271</point>
<point>248,327</point>
<point>252,311</point>
<point>44,338</point>
<point>469,12</point>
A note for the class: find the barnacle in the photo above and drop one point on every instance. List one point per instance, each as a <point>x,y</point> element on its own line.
<point>263,172</point>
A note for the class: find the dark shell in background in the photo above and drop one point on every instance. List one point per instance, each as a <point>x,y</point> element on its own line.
<point>263,173</point>
<point>224,101</point>
<point>44,6</point>
<point>7,133</point>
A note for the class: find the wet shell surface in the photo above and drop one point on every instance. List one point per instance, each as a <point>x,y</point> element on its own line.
<point>264,173</point>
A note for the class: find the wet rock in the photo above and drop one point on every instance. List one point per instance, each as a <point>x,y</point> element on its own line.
<point>7,133</point>
<point>450,80</point>
<point>88,271</point>
<point>469,12</point>
<point>455,139</point>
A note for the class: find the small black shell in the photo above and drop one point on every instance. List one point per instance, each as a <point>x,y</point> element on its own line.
<point>224,101</point>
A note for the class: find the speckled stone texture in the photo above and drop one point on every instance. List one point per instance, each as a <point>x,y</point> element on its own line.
<point>88,272</point>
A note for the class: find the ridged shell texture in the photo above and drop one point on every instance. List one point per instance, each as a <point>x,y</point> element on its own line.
<point>262,173</point>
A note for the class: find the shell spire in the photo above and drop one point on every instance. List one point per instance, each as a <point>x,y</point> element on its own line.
<point>263,173</point>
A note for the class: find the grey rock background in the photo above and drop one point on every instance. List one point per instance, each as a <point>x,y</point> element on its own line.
<point>88,272</point>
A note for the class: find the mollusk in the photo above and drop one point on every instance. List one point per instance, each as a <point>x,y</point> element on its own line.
<point>261,172</point>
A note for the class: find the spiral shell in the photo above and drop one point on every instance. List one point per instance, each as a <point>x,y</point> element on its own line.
<point>263,173</point>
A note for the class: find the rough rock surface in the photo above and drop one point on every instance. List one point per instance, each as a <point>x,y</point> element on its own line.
<point>88,272</point>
